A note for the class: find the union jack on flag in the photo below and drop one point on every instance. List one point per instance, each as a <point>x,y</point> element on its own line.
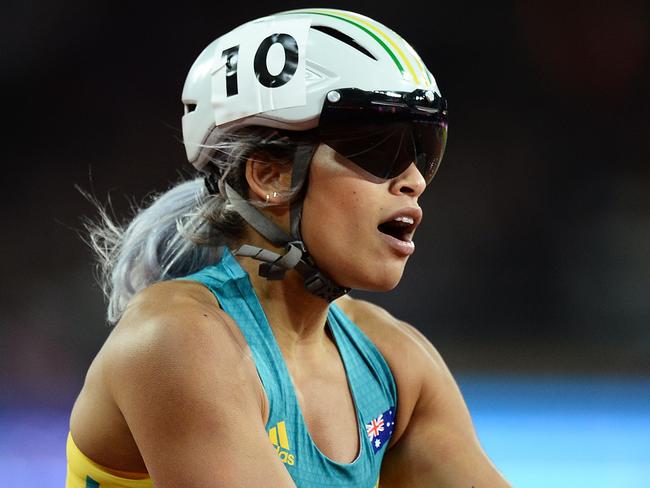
<point>380,429</point>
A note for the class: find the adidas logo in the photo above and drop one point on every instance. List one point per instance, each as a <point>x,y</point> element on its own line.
<point>278,437</point>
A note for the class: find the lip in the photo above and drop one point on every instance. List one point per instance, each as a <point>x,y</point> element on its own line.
<point>403,248</point>
<point>414,212</point>
<point>407,247</point>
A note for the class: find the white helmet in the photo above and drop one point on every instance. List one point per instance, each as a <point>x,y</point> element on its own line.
<point>276,72</point>
<point>333,70</point>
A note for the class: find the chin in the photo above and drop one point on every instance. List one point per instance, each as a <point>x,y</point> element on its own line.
<point>377,278</point>
<point>384,285</point>
<point>376,289</point>
<point>361,270</point>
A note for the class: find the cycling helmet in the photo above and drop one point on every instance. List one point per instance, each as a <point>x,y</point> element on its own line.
<point>361,86</point>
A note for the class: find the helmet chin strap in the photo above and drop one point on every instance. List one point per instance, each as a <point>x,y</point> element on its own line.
<point>274,266</point>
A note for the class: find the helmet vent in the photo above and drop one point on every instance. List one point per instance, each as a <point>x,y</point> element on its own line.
<point>190,107</point>
<point>343,38</point>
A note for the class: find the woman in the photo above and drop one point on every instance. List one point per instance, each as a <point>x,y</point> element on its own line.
<point>237,359</point>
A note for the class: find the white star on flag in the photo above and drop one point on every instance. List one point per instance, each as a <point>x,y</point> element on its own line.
<point>377,443</point>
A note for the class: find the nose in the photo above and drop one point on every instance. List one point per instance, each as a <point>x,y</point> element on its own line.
<point>409,182</point>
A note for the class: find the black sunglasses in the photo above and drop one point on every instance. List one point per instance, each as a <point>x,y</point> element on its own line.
<point>384,132</point>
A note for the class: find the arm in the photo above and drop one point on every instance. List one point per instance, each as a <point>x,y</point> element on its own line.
<point>439,447</point>
<point>188,390</point>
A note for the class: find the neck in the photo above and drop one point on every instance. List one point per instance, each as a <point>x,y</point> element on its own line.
<point>296,316</point>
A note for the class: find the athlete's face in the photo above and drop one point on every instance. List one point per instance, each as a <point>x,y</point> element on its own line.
<point>358,227</point>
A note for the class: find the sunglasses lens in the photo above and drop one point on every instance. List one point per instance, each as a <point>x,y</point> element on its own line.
<point>374,147</point>
<point>384,132</point>
<point>430,141</point>
<point>386,149</point>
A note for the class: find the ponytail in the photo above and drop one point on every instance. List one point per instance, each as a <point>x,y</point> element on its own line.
<point>171,238</point>
<point>184,229</point>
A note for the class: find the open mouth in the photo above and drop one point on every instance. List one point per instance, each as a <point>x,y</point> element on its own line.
<point>401,228</point>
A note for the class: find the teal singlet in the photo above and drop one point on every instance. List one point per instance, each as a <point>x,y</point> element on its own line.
<point>371,382</point>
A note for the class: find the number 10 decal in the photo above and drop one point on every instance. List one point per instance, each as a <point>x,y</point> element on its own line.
<point>231,56</point>
<point>262,73</point>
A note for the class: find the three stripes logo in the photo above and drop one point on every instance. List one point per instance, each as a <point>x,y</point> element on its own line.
<point>279,438</point>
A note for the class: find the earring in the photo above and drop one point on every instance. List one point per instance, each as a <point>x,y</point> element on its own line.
<point>275,194</point>
<point>268,198</point>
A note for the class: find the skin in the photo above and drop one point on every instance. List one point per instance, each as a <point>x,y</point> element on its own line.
<point>174,391</point>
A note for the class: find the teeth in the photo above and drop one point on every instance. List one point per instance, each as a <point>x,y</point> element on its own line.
<point>406,220</point>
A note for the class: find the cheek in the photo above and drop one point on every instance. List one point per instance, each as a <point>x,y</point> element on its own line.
<point>332,232</point>
<point>333,201</point>
<point>332,215</point>
<point>339,229</point>
<point>340,215</point>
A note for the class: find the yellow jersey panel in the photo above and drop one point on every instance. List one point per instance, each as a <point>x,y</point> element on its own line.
<point>83,472</point>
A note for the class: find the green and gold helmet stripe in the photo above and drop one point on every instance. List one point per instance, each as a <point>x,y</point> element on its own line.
<point>418,60</point>
<point>376,33</point>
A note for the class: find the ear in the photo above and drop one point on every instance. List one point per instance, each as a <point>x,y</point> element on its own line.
<point>268,181</point>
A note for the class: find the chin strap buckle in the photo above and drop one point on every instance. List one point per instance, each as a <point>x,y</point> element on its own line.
<point>323,287</point>
<point>315,281</point>
<point>274,266</point>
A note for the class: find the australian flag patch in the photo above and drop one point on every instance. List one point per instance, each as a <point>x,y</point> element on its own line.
<point>380,429</point>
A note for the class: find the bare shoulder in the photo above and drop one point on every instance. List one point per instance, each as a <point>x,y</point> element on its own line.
<point>434,443</point>
<point>394,337</point>
<point>184,395</point>
<point>173,355</point>
<point>172,325</point>
<point>176,314</point>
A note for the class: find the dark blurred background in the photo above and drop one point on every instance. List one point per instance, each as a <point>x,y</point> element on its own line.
<point>534,255</point>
